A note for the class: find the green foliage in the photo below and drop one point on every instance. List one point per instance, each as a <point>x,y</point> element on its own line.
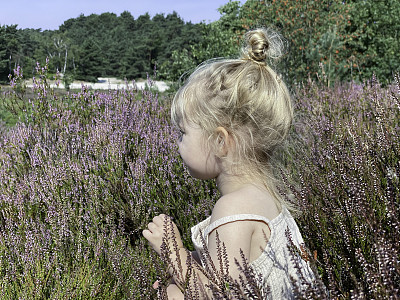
<point>219,39</point>
<point>7,119</point>
<point>9,42</point>
<point>330,41</point>
<point>124,47</point>
<point>90,64</point>
<point>13,104</point>
<point>315,31</point>
<point>67,80</point>
<point>374,38</point>
<point>91,46</point>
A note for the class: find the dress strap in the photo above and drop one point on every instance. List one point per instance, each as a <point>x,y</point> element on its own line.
<point>234,218</point>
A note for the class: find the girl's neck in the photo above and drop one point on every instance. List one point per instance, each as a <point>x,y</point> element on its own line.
<point>227,183</point>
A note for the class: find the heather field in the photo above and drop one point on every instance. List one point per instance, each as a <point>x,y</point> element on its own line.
<point>81,174</point>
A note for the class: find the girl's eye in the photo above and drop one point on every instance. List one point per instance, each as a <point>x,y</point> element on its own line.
<point>181,133</point>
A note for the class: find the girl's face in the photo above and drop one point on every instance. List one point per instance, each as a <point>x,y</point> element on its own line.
<point>200,161</point>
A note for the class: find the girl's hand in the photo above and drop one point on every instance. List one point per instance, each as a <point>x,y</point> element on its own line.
<point>173,291</point>
<point>162,228</point>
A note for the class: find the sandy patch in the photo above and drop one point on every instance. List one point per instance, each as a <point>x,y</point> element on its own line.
<point>109,83</point>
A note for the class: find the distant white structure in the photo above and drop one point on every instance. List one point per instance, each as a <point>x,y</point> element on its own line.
<point>105,83</point>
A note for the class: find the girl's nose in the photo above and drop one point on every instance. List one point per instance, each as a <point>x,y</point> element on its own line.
<point>179,148</point>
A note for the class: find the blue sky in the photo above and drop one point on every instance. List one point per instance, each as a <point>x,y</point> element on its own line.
<point>49,14</point>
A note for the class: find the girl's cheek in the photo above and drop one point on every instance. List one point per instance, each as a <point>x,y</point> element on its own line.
<point>179,148</point>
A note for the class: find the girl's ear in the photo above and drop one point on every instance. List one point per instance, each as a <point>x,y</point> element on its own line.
<point>223,141</point>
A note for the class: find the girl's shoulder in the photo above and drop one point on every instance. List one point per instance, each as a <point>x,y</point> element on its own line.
<point>249,201</point>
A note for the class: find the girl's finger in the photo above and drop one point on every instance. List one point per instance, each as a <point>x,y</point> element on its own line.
<point>156,284</point>
<point>160,219</point>
<point>152,227</point>
<point>146,233</point>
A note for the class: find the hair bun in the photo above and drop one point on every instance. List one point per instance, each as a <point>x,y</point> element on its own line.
<point>262,44</point>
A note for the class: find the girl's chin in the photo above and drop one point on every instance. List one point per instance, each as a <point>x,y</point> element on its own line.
<point>199,175</point>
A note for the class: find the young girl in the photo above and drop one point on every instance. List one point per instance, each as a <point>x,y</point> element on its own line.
<point>233,114</point>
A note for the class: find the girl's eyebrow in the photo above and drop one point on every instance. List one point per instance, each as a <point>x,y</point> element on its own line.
<point>180,126</point>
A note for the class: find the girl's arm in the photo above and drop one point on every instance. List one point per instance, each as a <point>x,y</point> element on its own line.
<point>235,236</point>
<point>156,234</point>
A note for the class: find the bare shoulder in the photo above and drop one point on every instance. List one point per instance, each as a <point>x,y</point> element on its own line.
<point>249,200</point>
<point>248,235</point>
<point>227,205</point>
<point>235,235</point>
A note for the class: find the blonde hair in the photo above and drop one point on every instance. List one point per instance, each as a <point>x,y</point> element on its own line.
<point>246,97</point>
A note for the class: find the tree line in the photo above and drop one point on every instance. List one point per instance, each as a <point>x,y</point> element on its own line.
<point>328,40</point>
<point>91,46</point>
